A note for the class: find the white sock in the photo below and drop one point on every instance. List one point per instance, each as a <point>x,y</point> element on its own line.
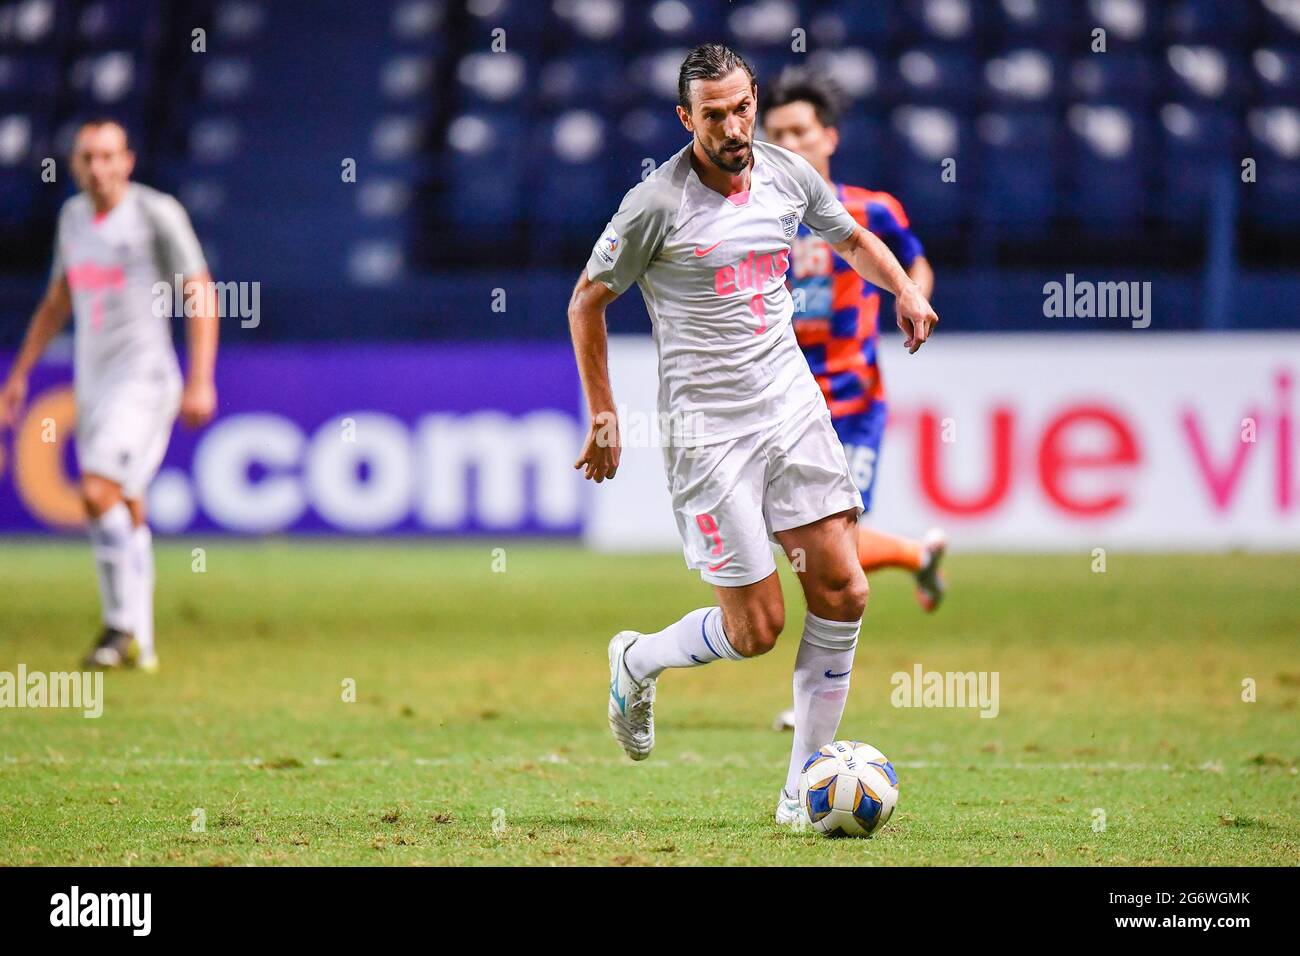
<point>821,686</point>
<point>142,553</point>
<point>694,640</point>
<point>110,541</point>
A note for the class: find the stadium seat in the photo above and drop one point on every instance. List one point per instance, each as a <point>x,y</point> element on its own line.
<point>1274,142</point>
<point>1123,77</point>
<point>936,76</point>
<point>1017,171</point>
<point>1277,74</point>
<point>923,138</point>
<point>595,24</point>
<point>1205,71</point>
<point>1020,77</point>
<point>29,80</point>
<point>1107,176</point>
<point>494,80</point>
<point>582,79</point>
<point>570,150</point>
<point>855,70</point>
<point>115,23</point>
<point>943,21</point>
<point>36,25</point>
<point>877,25</point>
<point>22,195</point>
<point>1039,23</point>
<point>1128,23</point>
<point>1210,20</point>
<point>859,159</point>
<point>670,22</point>
<point>485,168</point>
<point>518,19</point>
<point>647,132</point>
<point>1280,20</point>
<point>1198,144</point>
<point>764,25</point>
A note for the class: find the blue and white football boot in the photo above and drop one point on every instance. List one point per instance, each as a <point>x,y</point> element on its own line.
<point>631,702</point>
<point>790,813</point>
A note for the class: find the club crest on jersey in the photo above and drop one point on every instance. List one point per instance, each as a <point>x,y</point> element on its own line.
<point>789,223</point>
<point>607,248</point>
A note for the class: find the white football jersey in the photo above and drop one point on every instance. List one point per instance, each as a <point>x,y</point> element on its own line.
<point>112,263</point>
<point>712,272</point>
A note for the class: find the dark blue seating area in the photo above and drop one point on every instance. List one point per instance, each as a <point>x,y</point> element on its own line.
<point>499,135</point>
<point>1050,138</point>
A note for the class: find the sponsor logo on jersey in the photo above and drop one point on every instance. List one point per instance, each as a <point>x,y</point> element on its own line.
<point>789,223</point>
<point>92,277</point>
<point>752,272</point>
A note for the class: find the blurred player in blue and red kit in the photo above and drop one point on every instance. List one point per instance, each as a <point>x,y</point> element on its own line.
<point>837,326</point>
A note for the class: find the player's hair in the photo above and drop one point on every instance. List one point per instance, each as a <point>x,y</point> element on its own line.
<point>97,121</point>
<point>708,61</point>
<point>797,84</point>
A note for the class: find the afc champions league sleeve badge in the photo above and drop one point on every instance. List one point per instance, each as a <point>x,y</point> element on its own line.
<point>607,248</point>
<point>789,223</point>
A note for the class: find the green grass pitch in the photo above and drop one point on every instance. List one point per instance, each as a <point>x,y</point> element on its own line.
<point>478,731</point>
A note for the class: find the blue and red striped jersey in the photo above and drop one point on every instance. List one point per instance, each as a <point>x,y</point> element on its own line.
<point>837,327</point>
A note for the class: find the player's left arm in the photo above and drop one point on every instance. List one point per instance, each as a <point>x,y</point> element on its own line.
<point>922,274</point>
<point>183,256</point>
<point>885,217</point>
<point>872,259</point>
<point>199,399</point>
<point>865,252</point>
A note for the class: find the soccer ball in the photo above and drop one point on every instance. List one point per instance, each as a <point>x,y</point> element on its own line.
<point>848,788</point>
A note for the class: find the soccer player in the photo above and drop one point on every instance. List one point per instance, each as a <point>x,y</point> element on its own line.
<point>837,327</point>
<point>115,240</point>
<point>754,456</point>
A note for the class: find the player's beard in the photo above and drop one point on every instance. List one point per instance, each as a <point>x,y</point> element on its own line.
<point>725,162</point>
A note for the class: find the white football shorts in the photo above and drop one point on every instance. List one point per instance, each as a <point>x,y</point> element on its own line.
<point>122,432</point>
<point>731,498</point>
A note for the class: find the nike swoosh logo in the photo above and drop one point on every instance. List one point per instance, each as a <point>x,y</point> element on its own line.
<point>719,567</point>
<point>619,699</point>
<point>705,252</point>
<point>697,660</point>
<point>833,676</point>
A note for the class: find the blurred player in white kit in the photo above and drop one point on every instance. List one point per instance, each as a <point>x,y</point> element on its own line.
<point>116,241</point>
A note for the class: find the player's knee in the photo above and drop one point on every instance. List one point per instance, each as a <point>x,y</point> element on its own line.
<point>99,495</point>
<point>755,632</point>
<point>759,638</point>
<point>845,595</point>
<point>136,507</point>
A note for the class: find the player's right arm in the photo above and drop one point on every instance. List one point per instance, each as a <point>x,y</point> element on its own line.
<point>600,451</point>
<point>49,319</point>
<point>620,257</point>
